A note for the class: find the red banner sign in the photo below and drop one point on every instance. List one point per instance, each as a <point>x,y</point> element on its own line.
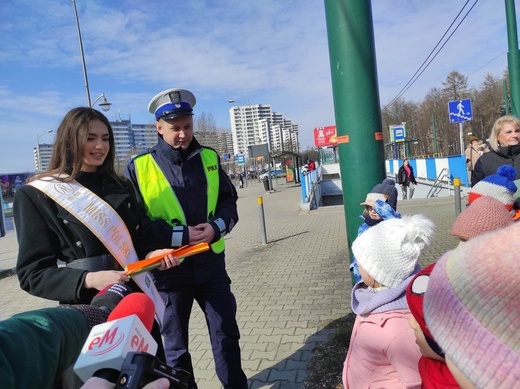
<point>325,136</point>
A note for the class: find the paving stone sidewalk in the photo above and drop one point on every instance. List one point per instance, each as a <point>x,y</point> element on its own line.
<point>287,291</point>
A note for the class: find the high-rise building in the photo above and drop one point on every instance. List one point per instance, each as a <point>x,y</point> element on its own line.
<point>246,125</point>
<point>257,124</point>
<point>221,142</point>
<point>44,150</point>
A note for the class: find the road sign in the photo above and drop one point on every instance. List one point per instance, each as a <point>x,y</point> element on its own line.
<point>241,159</point>
<point>398,132</point>
<point>460,111</point>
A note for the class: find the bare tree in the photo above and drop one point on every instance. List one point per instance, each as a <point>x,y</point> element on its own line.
<point>455,86</point>
<point>487,102</point>
<point>205,124</point>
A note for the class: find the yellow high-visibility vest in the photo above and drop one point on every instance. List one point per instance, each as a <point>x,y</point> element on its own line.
<point>160,199</point>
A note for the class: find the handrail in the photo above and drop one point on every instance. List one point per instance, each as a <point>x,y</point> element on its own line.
<point>436,187</point>
<point>309,181</point>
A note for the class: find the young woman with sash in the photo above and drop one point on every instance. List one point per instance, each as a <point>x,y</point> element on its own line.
<point>82,214</point>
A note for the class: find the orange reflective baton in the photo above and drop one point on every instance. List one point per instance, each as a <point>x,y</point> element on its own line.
<point>153,262</point>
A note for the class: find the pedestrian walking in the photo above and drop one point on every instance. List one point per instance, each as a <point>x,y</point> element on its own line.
<point>406,179</point>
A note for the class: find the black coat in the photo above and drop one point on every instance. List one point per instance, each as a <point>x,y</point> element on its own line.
<point>489,162</point>
<point>402,177</point>
<point>47,233</point>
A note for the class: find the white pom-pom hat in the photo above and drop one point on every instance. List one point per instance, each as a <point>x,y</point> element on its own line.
<point>389,251</point>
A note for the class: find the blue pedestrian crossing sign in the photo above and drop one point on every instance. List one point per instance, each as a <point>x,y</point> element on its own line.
<point>460,111</point>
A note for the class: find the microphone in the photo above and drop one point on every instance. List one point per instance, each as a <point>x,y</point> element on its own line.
<point>139,304</point>
<point>102,304</point>
<point>127,330</point>
<point>107,298</point>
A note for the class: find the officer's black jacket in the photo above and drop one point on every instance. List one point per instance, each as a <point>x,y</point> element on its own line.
<point>184,170</point>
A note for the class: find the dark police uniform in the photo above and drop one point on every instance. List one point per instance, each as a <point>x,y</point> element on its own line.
<point>202,277</point>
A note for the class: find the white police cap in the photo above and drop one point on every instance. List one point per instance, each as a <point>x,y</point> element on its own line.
<point>172,103</point>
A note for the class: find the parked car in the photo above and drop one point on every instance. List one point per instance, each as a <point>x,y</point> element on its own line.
<point>275,173</point>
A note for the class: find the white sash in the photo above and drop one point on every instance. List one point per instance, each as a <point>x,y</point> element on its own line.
<point>101,219</point>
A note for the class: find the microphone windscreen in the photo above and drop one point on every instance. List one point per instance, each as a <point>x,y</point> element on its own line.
<point>135,304</point>
<point>110,296</point>
<point>93,315</point>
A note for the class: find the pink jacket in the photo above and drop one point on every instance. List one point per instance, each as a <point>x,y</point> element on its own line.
<point>382,353</point>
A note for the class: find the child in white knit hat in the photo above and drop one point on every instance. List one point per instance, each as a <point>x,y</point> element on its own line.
<point>382,351</point>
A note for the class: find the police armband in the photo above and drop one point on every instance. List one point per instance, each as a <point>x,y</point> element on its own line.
<point>178,236</point>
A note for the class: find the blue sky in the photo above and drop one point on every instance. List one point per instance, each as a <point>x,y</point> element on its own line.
<point>266,51</point>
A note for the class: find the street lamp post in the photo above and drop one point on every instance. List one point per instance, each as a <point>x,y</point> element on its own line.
<point>38,157</point>
<point>105,105</point>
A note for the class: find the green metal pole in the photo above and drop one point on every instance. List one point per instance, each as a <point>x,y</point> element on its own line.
<point>356,104</point>
<point>513,57</point>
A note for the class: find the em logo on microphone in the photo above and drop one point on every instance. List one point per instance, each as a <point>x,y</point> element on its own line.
<point>127,333</point>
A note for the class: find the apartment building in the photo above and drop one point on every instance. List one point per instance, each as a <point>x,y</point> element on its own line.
<point>255,124</point>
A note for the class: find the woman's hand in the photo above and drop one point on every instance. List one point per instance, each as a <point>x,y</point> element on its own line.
<point>168,261</point>
<point>100,279</point>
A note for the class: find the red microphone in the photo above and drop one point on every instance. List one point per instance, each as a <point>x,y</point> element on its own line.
<point>139,304</point>
<point>126,330</point>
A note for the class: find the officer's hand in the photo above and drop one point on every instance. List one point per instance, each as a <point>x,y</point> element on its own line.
<point>203,232</point>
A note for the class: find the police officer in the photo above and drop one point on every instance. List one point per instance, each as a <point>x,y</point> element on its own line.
<point>190,199</point>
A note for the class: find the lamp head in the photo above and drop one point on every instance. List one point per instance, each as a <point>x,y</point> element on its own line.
<point>105,105</point>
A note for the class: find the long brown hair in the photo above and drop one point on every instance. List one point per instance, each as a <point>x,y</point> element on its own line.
<point>67,155</point>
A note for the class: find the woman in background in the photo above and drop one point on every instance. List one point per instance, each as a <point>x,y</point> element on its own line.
<point>504,145</point>
<point>406,179</point>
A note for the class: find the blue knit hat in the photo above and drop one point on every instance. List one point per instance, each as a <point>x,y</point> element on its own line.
<point>500,186</point>
<point>387,187</point>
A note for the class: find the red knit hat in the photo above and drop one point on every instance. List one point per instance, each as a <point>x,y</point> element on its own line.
<point>415,296</point>
<point>484,214</point>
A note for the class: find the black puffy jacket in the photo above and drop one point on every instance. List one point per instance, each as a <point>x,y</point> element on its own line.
<point>489,162</point>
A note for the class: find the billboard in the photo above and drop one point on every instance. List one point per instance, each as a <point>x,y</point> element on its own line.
<point>10,183</point>
<point>325,136</point>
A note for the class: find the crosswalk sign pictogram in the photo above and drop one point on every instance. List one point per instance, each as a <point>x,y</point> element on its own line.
<point>460,111</point>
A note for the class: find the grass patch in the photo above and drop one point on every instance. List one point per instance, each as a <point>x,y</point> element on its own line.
<point>326,365</point>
